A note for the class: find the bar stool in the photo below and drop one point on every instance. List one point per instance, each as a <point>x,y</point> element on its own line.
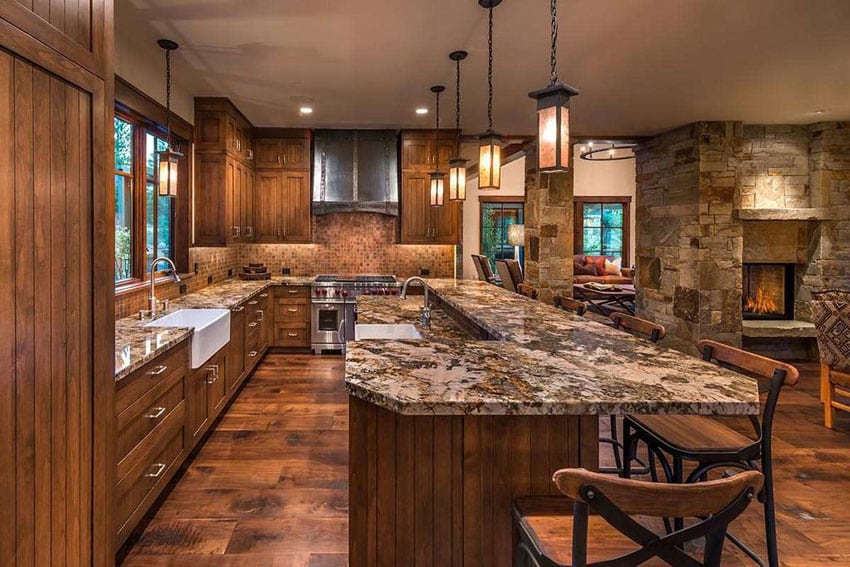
<point>831,315</point>
<point>548,535</point>
<point>510,273</point>
<point>712,445</point>
<point>652,332</point>
<point>527,290</point>
<point>485,273</point>
<point>570,304</point>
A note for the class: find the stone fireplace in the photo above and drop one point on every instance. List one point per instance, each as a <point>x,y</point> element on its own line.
<point>768,291</point>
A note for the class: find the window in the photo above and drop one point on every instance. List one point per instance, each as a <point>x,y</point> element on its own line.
<point>602,226</point>
<point>144,221</point>
<point>496,216</point>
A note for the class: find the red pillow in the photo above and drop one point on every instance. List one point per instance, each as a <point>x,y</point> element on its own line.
<point>598,262</point>
<point>588,270</point>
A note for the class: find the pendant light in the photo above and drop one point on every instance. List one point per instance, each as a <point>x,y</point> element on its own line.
<point>457,165</point>
<point>489,143</point>
<point>169,159</point>
<point>438,178</point>
<point>553,113</point>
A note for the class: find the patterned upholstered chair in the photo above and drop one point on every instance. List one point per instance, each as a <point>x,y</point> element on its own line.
<point>831,314</point>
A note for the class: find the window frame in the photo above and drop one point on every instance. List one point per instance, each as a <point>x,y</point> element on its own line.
<point>502,200</point>
<point>142,126</point>
<point>580,202</point>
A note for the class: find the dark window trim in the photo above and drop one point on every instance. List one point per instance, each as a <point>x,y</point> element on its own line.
<point>501,199</point>
<point>626,201</point>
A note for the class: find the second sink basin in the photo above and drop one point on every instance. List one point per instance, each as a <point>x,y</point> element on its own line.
<point>375,331</point>
<point>211,330</point>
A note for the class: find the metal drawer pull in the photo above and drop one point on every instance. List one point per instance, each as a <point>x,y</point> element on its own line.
<point>158,370</point>
<point>213,369</point>
<point>260,315</point>
<point>264,295</point>
<point>252,324</point>
<point>253,302</point>
<point>292,310</point>
<point>292,334</point>
<point>155,413</point>
<point>160,468</point>
<point>238,309</point>
<point>293,291</point>
<point>252,354</point>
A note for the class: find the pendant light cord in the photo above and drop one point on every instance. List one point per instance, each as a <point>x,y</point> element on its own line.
<point>553,61</point>
<point>457,109</point>
<point>490,71</point>
<point>168,97</point>
<point>437,136</point>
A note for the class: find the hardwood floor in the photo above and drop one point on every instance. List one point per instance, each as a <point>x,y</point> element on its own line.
<point>269,486</point>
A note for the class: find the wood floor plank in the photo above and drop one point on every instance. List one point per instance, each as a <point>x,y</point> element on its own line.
<point>270,486</point>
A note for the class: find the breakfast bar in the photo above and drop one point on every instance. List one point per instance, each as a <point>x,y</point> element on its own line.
<point>446,430</point>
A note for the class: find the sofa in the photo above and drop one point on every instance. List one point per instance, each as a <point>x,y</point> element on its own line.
<point>588,269</point>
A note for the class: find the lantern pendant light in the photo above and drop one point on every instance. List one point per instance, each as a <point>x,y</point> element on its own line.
<point>457,165</point>
<point>438,178</point>
<point>169,159</point>
<point>489,143</point>
<point>553,113</point>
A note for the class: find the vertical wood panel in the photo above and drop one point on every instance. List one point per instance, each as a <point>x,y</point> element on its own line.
<point>386,502</point>
<point>472,491</point>
<point>541,472</point>
<point>405,492</point>
<point>423,504</point>
<point>442,496</point>
<point>457,491</point>
<point>7,305</point>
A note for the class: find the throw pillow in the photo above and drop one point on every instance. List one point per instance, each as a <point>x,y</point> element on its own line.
<point>832,321</point>
<point>599,262</point>
<point>613,267</point>
<point>588,270</point>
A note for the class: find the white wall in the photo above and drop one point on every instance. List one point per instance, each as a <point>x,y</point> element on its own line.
<point>142,64</point>
<point>607,179</point>
<point>513,183</point>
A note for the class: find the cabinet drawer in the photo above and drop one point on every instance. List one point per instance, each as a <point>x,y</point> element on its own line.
<point>292,291</point>
<point>133,425</point>
<point>291,312</point>
<point>289,337</point>
<point>132,389</point>
<point>254,350</point>
<point>137,490</point>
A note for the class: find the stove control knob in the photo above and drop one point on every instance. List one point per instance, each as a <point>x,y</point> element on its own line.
<point>336,292</point>
<point>345,293</point>
<point>324,292</point>
<point>366,292</point>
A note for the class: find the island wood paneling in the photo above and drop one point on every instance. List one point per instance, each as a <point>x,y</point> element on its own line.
<point>57,347</point>
<point>437,490</point>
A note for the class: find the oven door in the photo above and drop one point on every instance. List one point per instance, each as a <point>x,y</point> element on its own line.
<point>328,324</point>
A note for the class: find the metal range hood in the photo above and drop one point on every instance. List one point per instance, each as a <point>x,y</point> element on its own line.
<point>355,171</point>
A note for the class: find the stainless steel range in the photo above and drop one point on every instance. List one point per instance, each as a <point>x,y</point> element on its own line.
<point>334,306</point>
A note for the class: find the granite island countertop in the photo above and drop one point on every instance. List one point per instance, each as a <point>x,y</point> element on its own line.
<point>546,361</point>
<point>388,310</point>
<point>136,344</point>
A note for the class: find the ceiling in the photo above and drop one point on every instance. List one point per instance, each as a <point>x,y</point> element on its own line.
<point>642,66</point>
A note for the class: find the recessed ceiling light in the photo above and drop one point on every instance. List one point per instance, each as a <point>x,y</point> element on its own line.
<point>306,110</point>
<point>421,110</point>
<point>819,111</point>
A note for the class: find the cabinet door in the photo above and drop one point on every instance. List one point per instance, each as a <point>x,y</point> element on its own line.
<point>446,151</point>
<point>231,204</point>
<point>268,153</point>
<point>211,225</point>
<point>197,408</point>
<point>217,383</point>
<point>416,154</point>
<point>296,206</point>
<point>267,220</point>
<point>415,205</point>
<point>295,153</point>
<point>236,350</point>
<point>248,175</point>
<point>210,130</point>
<point>445,223</point>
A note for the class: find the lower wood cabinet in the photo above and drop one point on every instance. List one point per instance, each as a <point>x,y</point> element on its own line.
<point>207,394</point>
<point>292,316</point>
<point>236,357</point>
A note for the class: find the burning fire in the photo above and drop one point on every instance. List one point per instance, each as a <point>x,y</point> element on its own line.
<point>762,303</point>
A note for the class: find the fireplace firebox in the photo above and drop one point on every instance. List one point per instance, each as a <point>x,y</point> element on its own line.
<point>768,291</point>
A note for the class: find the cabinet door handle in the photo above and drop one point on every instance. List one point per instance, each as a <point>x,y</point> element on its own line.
<point>292,335</point>
<point>253,302</point>
<point>158,370</point>
<point>249,231</point>
<point>260,315</point>
<point>212,370</point>
<point>252,324</point>
<point>264,295</point>
<point>253,353</point>
<point>238,309</point>
<point>158,467</point>
<point>292,310</point>
<point>155,413</point>
<point>279,161</point>
<point>293,291</point>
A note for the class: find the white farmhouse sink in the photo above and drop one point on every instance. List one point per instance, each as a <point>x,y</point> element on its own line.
<point>369,331</point>
<point>211,326</point>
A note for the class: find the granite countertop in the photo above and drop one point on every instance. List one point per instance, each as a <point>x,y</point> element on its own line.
<point>547,361</point>
<point>136,344</point>
<point>391,310</point>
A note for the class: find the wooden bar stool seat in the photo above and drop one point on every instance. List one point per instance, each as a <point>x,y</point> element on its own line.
<point>698,434</point>
<point>570,304</point>
<point>597,526</point>
<point>527,290</point>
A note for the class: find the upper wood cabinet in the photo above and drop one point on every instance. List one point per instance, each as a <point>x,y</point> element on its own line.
<point>420,222</point>
<point>282,206</point>
<point>219,126</point>
<point>283,153</point>
<point>224,200</point>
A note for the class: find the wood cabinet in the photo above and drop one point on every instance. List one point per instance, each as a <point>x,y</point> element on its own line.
<point>207,395</point>
<point>420,222</point>
<point>224,200</point>
<point>236,356</point>
<point>292,316</point>
<point>219,126</point>
<point>282,206</point>
<point>283,153</point>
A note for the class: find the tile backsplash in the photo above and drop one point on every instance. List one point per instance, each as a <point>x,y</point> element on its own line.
<point>344,243</point>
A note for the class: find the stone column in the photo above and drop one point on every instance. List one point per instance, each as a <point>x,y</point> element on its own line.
<point>548,230</point>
